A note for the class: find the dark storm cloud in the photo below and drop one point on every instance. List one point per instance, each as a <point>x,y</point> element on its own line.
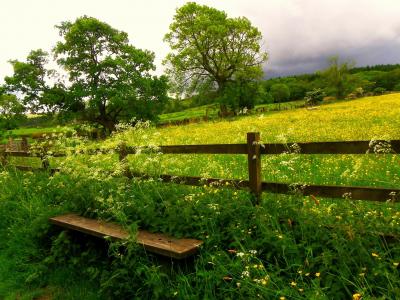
<point>301,35</point>
<point>382,52</point>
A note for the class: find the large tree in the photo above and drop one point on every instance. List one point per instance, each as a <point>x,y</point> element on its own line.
<point>11,111</point>
<point>210,48</point>
<point>111,76</point>
<point>29,79</point>
<point>338,77</point>
<point>280,93</point>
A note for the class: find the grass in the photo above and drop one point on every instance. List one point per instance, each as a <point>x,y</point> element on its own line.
<point>29,131</point>
<point>190,113</point>
<point>211,111</point>
<point>286,247</point>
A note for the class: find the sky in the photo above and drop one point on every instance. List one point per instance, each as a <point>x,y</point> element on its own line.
<point>299,35</point>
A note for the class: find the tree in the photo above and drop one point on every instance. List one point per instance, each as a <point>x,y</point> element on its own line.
<point>280,92</point>
<point>208,48</point>
<point>297,89</point>
<point>242,93</point>
<point>314,97</point>
<point>108,74</point>
<point>11,111</point>
<point>389,80</point>
<point>338,77</point>
<point>30,80</point>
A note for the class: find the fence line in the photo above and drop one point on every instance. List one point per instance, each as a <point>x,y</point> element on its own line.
<point>254,151</point>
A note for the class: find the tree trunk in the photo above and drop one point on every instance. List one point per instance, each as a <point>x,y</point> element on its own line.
<point>223,109</point>
<point>108,125</point>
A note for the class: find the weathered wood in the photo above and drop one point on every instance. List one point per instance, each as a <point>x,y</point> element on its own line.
<point>3,156</point>
<point>158,243</point>
<point>24,144</point>
<point>328,191</point>
<point>196,181</point>
<point>253,150</point>
<point>194,149</point>
<point>31,154</point>
<point>122,152</point>
<point>19,153</point>
<point>28,168</point>
<point>32,169</point>
<point>351,147</point>
<point>122,156</point>
<point>331,191</point>
<point>254,164</point>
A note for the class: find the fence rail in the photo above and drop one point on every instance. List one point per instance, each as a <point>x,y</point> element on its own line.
<point>254,150</point>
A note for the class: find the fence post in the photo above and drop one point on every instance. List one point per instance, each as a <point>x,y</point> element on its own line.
<point>254,163</point>
<point>3,156</point>
<point>24,144</point>
<point>10,144</point>
<point>122,154</point>
<point>45,161</point>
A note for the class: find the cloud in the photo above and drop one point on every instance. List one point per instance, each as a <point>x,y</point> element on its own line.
<point>299,35</point>
<point>302,34</point>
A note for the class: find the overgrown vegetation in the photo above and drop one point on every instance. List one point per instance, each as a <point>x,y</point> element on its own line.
<point>290,246</point>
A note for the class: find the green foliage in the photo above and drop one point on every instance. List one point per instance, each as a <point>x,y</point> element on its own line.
<point>379,91</point>
<point>285,247</point>
<point>397,87</point>
<point>280,92</point>
<point>30,79</point>
<point>292,246</point>
<point>11,112</point>
<point>109,74</point>
<point>210,49</point>
<point>241,94</point>
<point>367,78</point>
<point>314,97</point>
<point>297,89</point>
<point>388,80</point>
<point>338,77</point>
<point>375,68</point>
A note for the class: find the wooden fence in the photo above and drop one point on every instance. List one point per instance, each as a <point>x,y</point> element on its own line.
<point>15,145</point>
<point>254,150</point>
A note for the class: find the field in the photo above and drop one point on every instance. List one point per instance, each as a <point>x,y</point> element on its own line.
<point>289,247</point>
<point>212,111</point>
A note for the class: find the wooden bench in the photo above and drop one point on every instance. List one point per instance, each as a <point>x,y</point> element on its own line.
<point>153,242</point>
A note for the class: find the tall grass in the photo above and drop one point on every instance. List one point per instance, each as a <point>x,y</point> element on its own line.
<point>289,247</point>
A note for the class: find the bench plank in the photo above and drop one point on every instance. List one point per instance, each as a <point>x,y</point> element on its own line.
<point>153,242</point>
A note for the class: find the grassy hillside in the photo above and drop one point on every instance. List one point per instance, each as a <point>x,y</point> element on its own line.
<point>211,111</point>
<point>289,247</point>
<point>360,119</point>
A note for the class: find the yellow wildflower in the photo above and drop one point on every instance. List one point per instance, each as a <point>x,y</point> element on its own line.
<point>357,296</point>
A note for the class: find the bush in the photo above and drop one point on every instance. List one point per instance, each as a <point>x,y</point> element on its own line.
<point>314,97</point>
<point>359,92</point>
<point>379,91</point>
<point>397,87</point>
<point>280,92</point>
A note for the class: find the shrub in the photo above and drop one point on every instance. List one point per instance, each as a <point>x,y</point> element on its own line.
<point>314,97</point>
<point>379,91</point>
<point>397,87</point>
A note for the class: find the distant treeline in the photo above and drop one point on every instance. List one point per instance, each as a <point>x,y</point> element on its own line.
<point>384,68</point>
<point>359,81</point>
